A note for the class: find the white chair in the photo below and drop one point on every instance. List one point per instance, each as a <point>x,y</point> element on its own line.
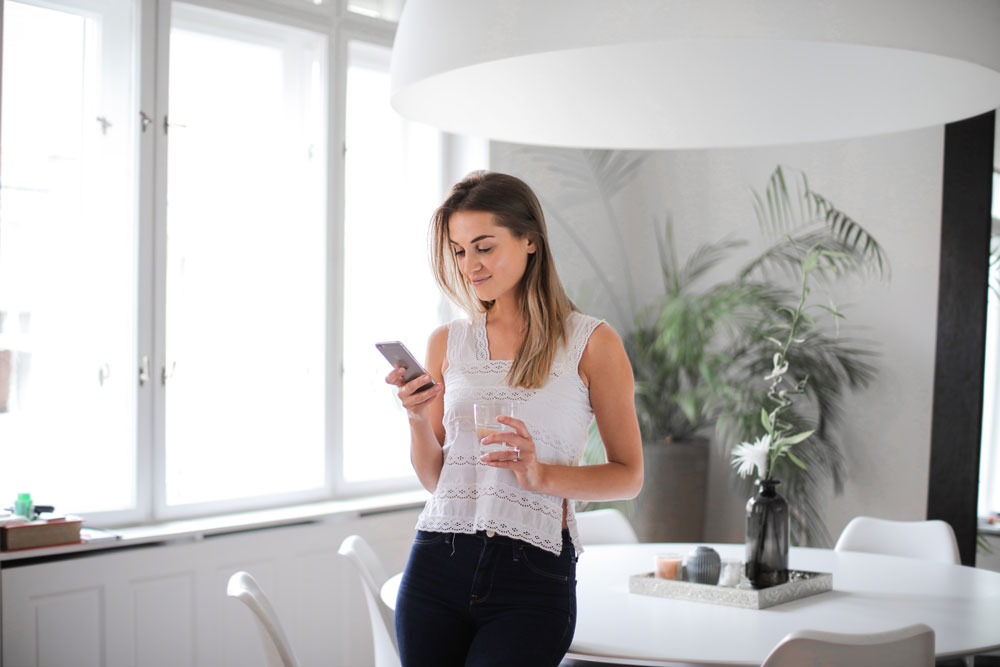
<point>278,651</point>
<point>605,526</point>
<point>911,646</point>
<point>927,540</point>
<point>373,575</point>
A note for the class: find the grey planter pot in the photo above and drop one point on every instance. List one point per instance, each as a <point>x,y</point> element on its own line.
<point>671,505</point>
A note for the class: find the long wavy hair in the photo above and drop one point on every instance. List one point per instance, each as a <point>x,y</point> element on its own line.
<point>544,303</point>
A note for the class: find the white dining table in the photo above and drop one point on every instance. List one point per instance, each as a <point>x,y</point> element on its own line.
<point>870,593</point>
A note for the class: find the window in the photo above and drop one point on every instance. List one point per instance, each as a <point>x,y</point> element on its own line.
<point>68,286</point>
<point>246,259</point>
<point>188,300</point>
<point>394,181</point>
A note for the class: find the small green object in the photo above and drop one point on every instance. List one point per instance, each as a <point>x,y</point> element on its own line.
<point>23,505</point>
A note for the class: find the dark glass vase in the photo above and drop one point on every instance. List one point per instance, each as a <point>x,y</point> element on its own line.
<point>767,537</point>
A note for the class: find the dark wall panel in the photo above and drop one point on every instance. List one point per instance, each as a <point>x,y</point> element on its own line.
<point>956,424</point>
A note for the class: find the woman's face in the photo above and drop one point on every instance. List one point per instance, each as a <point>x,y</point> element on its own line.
<point>490,257</point>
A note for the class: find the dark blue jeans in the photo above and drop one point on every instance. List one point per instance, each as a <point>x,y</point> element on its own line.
<point>477,600</point>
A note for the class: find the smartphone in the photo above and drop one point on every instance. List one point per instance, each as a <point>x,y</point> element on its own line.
<point>397,355</point>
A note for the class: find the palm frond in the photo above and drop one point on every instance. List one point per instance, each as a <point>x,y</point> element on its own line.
<point>613,170</point>
<point>554,216</point>
<point>705,258</point>
<point>778,216</point>
<point>836,258</point>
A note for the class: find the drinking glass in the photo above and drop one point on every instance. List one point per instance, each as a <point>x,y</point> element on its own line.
<point>486,413</point>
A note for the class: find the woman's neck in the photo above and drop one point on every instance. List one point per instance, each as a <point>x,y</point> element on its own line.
<point>506,313</point>
<point>505,329</point>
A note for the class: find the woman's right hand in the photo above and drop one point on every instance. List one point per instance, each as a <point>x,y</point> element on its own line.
<point>416,403</point>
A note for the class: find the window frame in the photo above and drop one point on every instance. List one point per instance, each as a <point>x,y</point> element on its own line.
<point>150,76</point>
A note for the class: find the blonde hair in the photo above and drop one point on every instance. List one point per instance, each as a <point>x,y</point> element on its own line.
<point>544,304</point>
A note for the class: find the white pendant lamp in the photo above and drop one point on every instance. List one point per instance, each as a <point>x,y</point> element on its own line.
<point>661,74</point>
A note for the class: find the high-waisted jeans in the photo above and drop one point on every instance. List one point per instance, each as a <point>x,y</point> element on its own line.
<point>477,600</point>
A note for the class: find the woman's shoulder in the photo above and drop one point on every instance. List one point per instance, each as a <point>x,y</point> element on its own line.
<point>581,327</point>
<point>579,318</point>
<point>457,338</point>
<point>604,354</point>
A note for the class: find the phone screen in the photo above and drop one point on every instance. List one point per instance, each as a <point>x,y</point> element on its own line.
<point>399,356</point>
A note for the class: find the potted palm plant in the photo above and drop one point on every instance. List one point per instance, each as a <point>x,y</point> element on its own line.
<point>679,353</point>
<point>700,348</point>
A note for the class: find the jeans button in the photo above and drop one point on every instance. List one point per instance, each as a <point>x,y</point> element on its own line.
<point>490,533</point>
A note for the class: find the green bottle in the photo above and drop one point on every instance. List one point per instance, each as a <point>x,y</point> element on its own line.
<point>23,505</point>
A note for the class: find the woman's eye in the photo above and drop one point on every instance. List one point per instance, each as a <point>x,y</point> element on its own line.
<point>484,250</point>
<point>459,253</point>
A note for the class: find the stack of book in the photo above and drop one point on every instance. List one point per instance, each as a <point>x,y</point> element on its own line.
<point>40,533</point>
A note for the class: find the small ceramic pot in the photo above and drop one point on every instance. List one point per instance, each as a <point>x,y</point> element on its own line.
<point>702,566</point>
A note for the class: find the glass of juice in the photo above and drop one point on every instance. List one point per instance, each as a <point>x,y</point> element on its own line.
<point>486,413</point>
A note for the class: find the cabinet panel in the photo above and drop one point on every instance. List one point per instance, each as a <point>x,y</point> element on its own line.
<point>164,625</point>
<point>68,629</point>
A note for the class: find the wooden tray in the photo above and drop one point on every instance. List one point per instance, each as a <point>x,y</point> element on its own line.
<point>800,584</point>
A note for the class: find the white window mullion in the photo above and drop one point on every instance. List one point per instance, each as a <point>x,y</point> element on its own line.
<point>336,94</point>
<point>159,131</point>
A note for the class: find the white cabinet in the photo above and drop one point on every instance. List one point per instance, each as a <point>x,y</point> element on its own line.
<point>166,604</point>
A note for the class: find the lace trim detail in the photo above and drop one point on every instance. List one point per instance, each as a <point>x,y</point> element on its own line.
<point>580,327</point>
<point>482,343</point>
<point>463,460</point>
<point>535,502</point>
<point>546,439</point>
<point>439,524</point>
<point>579,337</point>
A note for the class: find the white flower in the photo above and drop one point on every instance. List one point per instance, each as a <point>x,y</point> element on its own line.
<point>779,368</point>
<point>747,456</point>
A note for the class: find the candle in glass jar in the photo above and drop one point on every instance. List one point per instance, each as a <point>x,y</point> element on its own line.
<point>668,566</point>
<point>730,572</point>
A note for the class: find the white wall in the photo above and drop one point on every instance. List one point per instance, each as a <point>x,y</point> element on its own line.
<point>891,184</point>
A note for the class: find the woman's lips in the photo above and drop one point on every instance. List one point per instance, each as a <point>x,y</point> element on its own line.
<point>476,282</point>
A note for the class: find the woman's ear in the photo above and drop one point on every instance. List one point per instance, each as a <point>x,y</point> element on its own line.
<point>531,247</point>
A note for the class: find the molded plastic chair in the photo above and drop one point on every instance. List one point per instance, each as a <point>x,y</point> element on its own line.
<point>605,526</point>
<point>910,646</point>
<point>927,540</point>
<point>373,576</point>
<point>244,588</point>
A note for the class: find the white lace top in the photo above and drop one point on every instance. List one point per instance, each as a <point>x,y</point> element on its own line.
<point>471,495</point>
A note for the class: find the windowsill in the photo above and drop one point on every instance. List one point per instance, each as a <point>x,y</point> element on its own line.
<point>197,529</point>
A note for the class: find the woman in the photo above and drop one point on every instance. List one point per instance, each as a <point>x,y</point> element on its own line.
<point>491,575</point>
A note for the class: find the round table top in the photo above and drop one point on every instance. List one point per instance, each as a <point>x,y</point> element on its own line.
<point>871,593</point>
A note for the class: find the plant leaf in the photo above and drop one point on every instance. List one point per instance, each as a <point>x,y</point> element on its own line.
<point>797,438</point>
<point>796,460</point>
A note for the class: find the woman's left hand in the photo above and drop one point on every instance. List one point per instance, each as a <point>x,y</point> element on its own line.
<point>523,463</point>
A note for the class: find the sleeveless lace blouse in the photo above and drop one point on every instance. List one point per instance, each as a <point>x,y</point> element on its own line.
<point>472,496</point>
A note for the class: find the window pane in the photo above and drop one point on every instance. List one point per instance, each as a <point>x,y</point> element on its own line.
<point>393,184</point>
<point>246,259</point>
<point>388,10</point>
<point>67,256</point>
